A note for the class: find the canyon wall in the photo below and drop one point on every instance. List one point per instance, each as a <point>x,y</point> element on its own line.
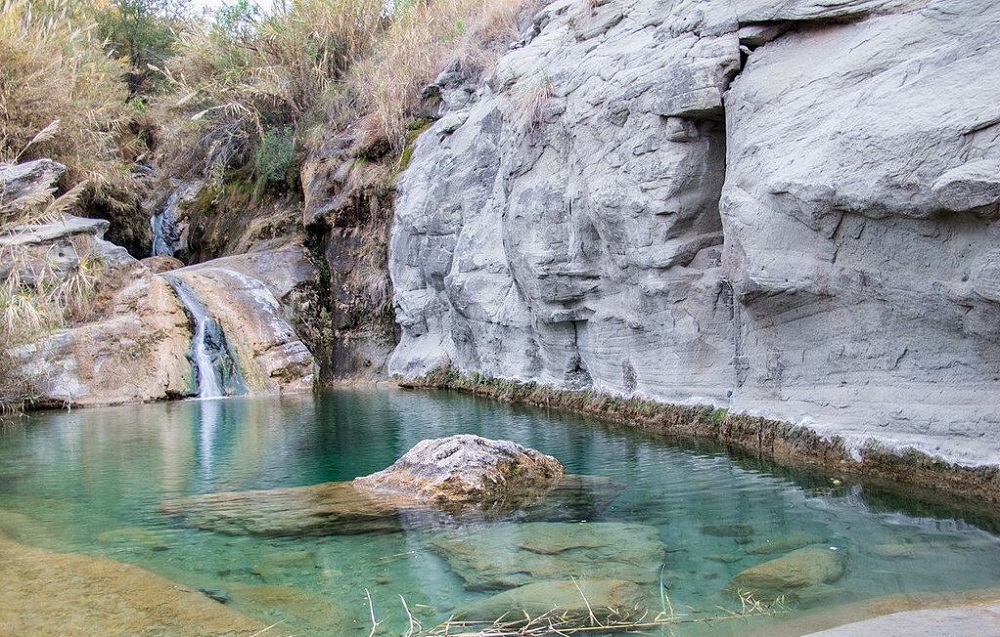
<point>787,209</point>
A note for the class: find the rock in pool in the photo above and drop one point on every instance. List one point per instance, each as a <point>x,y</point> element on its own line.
<point>463,470</point>
<point>509,555</point>
<point>567,604</point>
<point>790,573</point>
<point>438,481</point>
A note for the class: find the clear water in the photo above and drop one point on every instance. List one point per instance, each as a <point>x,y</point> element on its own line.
<point>91,481</point>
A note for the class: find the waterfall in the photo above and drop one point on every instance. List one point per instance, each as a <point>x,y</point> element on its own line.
<point>169,225</point>
<point>165,228</point>
<point>216,371</point>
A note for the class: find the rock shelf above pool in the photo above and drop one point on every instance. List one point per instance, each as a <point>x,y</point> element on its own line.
<point>464,478</point>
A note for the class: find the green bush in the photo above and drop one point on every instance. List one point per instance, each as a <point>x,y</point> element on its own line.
<point>274,159</point>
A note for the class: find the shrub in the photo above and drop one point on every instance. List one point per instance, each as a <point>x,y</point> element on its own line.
<point>275,157</point>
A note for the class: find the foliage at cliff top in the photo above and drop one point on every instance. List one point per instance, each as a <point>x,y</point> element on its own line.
<point>251,81</point>
<point>240,98</point>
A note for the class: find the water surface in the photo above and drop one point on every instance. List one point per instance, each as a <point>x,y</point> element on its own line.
<point>91,482</point>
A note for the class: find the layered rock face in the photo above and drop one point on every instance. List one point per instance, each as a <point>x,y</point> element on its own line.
<point>788,209</point>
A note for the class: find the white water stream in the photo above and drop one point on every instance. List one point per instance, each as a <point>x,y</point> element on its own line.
<point>208,381</point>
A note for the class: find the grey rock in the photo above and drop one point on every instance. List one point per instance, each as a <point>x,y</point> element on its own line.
<point>27,180</point>
<point>465,470</point>
<point>568,231</point>
<point>56,248</point>
<point>170,226</point>
<point>826,255</point>
<point>509,555</point>
<point>970,619</point>
<point>859,216</point>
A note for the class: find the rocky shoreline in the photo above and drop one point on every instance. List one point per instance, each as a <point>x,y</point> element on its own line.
<point>781,442</point>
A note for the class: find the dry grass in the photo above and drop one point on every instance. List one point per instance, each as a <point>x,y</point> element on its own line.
<point>317,67</point>
<point>54,70</point>
<point>231,90</point>
<point>422,40</point>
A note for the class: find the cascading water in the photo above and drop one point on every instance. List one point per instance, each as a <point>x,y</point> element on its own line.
<point>216,371</point>
<point>169,225</point>
<point>164,228</point>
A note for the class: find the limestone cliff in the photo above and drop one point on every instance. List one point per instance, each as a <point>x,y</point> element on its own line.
<point>784,208</point>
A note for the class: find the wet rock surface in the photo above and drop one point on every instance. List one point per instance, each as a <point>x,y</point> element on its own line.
<point>269,353</point>
<point>511,555</point>
<point>40,594</point>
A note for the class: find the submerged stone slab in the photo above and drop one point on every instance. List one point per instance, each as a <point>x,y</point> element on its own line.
<point>571,603</point>
<point>783,544</point>
<point>337,508</point>
<point>333,508</point>
<point>296,611</point>
<point>47,593</point>
<point>800,569</point>
<point>465,478</point>
<point>463,470</point>
<point>511,555</point>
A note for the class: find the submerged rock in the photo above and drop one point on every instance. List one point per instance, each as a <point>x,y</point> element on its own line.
<point>783,544</point>
<point>296,611</point>
<point>509,555</point>
<point>48,593</point>
<point>462,478</point>
<point>463,470</point>
<point>728,530</point>
<point>334,508</point>
<point>134,539</point>
<point>337,508</point>
<point>786,575</point>
<point>572,603</point>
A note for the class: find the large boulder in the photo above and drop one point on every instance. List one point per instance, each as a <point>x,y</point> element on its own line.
<point>137,354</point>
<point>337,508</point>
<point>463,470</point>
<point>510,555</point>
<point>268,351</point>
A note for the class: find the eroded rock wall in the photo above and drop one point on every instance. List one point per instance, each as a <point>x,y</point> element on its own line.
<point>787,209</point>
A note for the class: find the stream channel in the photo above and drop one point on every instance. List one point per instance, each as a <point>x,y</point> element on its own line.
<point>94,479</point>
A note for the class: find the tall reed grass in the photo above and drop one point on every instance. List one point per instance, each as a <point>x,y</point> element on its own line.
<point>54,67</point>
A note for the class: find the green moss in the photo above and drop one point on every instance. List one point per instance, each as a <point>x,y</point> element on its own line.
<point>413,131</point>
